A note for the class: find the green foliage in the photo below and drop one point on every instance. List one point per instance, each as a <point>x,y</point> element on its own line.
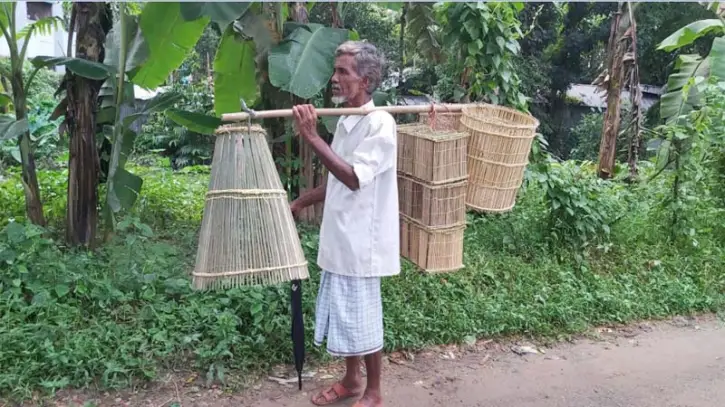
<point>581,206</point>
<point>169,38</point>
<point>44,84</point>
<point>124,313</point>
<point>482,38</point>
<point>372,22</point>
<point>691,32</point>
<point>234,73</point>
<point>181,143</point>
<point>588,134</point>
<point>302,63</point>
<point>655,22</point>
<point>693,149</point>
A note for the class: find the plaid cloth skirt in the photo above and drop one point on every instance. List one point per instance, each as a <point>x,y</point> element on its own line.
<point>349,312</point>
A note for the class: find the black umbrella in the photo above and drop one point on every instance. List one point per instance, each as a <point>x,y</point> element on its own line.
<point>298,329</point>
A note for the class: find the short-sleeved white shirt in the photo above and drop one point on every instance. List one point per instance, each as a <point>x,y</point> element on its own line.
<point>360,232</point>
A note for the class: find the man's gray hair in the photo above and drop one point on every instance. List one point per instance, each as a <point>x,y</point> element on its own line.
<point>368,60</point>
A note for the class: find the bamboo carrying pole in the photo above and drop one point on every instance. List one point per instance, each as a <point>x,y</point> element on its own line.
<point>344,111</point>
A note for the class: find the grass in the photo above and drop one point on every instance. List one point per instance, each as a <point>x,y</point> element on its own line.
<point>126,312</point>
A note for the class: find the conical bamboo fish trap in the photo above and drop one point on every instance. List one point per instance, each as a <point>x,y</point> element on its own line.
<point>498,152</point>
<point>248,235</point>
<point>450,121</point>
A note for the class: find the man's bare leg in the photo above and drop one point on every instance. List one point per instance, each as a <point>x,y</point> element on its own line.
<point>353,377</point>
<point>373,396</point>
<point>349,386</point>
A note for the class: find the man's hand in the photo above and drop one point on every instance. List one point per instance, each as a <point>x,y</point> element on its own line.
<point>305,121</point>
<point>296,208</point>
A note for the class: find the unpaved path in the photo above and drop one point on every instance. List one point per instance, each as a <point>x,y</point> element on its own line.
<point>674,363</point>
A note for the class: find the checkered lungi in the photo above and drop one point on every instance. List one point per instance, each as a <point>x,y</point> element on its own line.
<point>349,313</point>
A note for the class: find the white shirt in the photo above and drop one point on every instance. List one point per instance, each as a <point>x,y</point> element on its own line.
<point>360,232</point>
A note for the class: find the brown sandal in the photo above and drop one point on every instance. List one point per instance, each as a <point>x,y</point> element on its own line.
<point>336,393</point>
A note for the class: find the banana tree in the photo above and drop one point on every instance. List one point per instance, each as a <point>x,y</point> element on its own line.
<point>686,85</point>
<point>17,127</point>
<point>93,21</point>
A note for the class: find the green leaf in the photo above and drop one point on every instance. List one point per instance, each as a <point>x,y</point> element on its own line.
<point>123,190</point>
<point>663,155</point>
<point>223,13</point>
<point>158,103</point>
<point>691,32</point>
<point>330,123</point>
<point>80,67</point>
<point>676,101</point>
<point>137,50</point>
<point>11,128</point>
<point>170,39</point>
<point>253,25</point>
<point>717,58</point>
<point>61,290</point>
<point>5,99</point>
<point>255,309</point>
<point>234,73</point>
<point>196,122</point>
<point>302,64</point>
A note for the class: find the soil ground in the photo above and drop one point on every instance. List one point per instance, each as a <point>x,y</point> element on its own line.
<point>675,363</point>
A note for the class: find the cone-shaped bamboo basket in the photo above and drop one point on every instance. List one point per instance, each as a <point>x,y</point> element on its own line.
<point>498,152</point>
<point>248,235</point>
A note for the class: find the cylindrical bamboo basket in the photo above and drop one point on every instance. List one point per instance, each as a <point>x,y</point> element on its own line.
<point>248,235</point>
<point>434,250</point>
<point>433,205</point>
<point>449,121</point>
<point>432,156</point>
<point>498,152</point>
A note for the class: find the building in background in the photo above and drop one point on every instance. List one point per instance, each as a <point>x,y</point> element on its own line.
<point>53,44</point>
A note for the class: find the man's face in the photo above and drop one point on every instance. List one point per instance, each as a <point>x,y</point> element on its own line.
<point>346,83</point>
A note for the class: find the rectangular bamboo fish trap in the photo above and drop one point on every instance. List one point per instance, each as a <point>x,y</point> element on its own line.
<point>433,205</point>
<point>432,156</point>
<point>450,121</point>
<point>498,152</point>
<point>433,250</point>
<point>248,235</point>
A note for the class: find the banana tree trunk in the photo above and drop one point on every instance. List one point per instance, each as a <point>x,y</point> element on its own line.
<point>33,203</point>
<point>608,146</point>
<point>83,165</point>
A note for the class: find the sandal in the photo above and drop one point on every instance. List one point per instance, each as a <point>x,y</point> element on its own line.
<point>336,393</point>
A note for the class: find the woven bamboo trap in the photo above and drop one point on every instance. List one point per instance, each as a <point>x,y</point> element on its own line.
<point>432,205</point>
<point>450,121</point>
<point>498,152</point>
<point>432,156</point>
<point>433,250</point>
<point>248,235</point>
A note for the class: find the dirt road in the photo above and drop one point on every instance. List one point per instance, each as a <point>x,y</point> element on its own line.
<point>675,363</point>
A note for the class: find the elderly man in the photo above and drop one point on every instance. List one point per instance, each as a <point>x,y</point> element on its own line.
<point>359,236</point>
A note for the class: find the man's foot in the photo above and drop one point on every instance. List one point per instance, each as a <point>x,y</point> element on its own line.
<point>334,394</point>
<point>369,400</point>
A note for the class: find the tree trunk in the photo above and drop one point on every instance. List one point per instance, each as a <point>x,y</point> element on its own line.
<point>401,44</point>
<point>636,98</point>
<point>610,130</point>
<point>33,203</point>
<point>83,165</point>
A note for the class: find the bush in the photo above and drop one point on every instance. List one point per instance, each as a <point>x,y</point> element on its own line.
<point>132,312</point>
<point>183,146</point>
